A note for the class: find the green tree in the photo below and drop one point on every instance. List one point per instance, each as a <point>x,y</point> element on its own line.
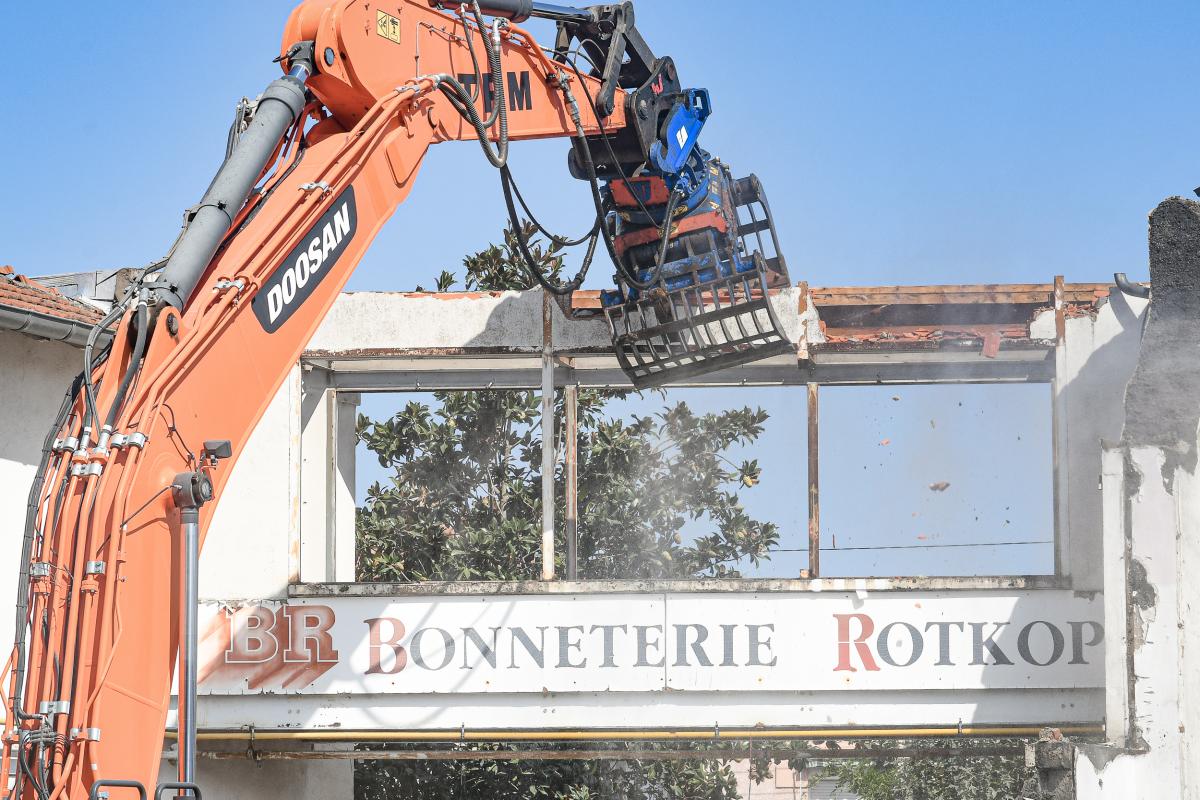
<point>463,502</point>
<point>573,779</point>
<point>960,777</point>
<point>463,496</point>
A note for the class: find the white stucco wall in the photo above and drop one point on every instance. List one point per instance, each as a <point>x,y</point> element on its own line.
<point>1153,535</point>
<point>34,375</point>
<point>246,779</point>
<point>1099,356</point>
<point>248,551</point>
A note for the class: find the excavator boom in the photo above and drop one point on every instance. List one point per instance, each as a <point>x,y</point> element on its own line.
<point>146,437</point>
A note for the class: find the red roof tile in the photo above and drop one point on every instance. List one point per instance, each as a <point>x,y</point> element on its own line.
<point>25,294</point>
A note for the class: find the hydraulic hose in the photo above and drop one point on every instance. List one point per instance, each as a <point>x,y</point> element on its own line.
<point>135,361</point>
<point>278,108</point>
<point>491,120</point>
<point>35,493</point>
<point>665,234</point>
<point>542,229</point>
<point>458,96</point>
<point>561,289</point>
<point>92,416</point>
<point>594,184</point>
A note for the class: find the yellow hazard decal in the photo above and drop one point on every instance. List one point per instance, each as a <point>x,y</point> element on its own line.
<point>387,26</point>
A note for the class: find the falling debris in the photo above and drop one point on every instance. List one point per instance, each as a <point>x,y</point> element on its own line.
<point>932,424</point>
<point>940,486</point>
<point>885,442</point>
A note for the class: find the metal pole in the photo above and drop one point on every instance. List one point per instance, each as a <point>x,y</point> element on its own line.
<point>1058,406</point>
<point>190,524</point>
<point>191,490</point>
<point>814,493</point>
<point>547,442</point>
<point>571,477</point>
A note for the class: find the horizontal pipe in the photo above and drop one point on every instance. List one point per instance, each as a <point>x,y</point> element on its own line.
<point>557,13</point>
<point>45,326</point>
<point>699,734</point>
<point>521,10</point>
<point>708,754</point>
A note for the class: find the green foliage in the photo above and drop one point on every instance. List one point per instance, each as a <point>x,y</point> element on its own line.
<point>463,501</point>
<point>574,779</point>
<point>932,778</point>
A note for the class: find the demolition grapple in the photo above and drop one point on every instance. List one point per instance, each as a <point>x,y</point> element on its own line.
<point>703,248</point>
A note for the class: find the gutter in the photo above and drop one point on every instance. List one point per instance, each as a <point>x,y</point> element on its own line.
<point>46,326</point>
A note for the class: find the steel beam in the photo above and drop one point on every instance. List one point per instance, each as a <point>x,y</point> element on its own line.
<point>825,371</point>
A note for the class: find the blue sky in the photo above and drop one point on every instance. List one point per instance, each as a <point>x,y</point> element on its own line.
<point>899,142</point>
<point>881,450</point>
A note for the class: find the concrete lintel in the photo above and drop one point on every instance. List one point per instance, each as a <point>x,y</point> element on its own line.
<point>814,585</point>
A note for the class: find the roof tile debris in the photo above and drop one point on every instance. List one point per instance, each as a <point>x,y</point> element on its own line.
<point>25,294</point>
<point>990,316</point>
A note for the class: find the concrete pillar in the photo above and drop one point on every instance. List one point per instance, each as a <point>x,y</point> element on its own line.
<point>1052,760</point>
<point>1152,542</point>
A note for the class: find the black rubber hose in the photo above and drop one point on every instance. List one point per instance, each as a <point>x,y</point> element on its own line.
<point>560,289</point>
<point>672,204</point>
<point>92,416</point>
<point>461,99</point>
<point>604,136</point>
<point>491,120</point>
<point>135,362</point>
<point>35,493</point>
<point>589,167</point>
<point>541,228</point>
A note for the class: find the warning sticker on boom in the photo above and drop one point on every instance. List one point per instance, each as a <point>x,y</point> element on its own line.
<point>387,26</point>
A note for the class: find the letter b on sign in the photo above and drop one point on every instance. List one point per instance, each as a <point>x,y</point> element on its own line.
<point>384,635</point>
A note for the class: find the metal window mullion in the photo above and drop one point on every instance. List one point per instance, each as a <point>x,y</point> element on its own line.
<point>571,477</point>
<point>547,420</point>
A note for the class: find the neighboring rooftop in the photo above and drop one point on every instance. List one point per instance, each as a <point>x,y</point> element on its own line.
<point>29,307</point>
<point>19,291</point>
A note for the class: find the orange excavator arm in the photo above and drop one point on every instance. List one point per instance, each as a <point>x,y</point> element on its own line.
<point>179,374</point>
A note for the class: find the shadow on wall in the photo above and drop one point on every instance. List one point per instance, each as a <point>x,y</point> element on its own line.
<point>1094,398</point>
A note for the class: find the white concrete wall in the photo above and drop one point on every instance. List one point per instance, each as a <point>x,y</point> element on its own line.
<point>252,545</point>
<point>1154,689</point>
<point>34,376</point>
<point>245,779</point>
<point>1099,356</point>
<point>372,322</point>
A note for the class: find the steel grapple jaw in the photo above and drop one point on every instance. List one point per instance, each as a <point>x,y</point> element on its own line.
<point>707,307</point>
